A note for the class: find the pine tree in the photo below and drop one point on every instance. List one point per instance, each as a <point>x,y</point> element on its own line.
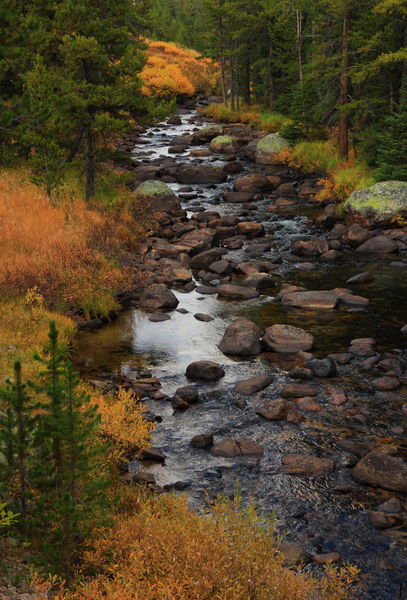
<point>392,153</point>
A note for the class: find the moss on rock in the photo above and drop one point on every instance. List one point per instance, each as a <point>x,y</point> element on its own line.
<point>159,195</point>
<point>223,143</point>
<point>381,202</point>
<point>268,147</point>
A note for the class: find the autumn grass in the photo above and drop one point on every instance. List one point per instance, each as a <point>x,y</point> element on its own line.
<point>162,550</point>
<point>252,115</point>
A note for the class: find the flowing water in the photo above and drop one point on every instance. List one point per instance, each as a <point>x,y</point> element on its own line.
<point>312,510</point>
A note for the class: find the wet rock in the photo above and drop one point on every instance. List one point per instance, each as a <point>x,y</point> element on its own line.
<point>221,267</point>
<point>302,464</point>
<point>202,441</point>
<point>380,244</point>
<point>158,296</point>
<point>230,448</point>
<point>308,404</point>
<point>382,520</point>
<point>329,557</point>
<point>250,229</point>
<point>143,478</point>
<point>382,470</point>
<point>242,338</point>
<point>206,258</point>
<point>286,338</point>
<point>253,266</point>
<point>385,384</point>
<point>351,299</point>
<point>301,373</point>
<point>253,385</point>
<point>337,396</point>
<point>259,281</point>
<point>238,197</point>
<point>308,299</point>
<point>197,241</point>
<point>204,370</point>
<point>403,330</point>
<point>294,554</point>
<point>274,410</point>
<point>223,144</point>
<point>356,235</point>
<point>324,367</point>
<point>179,404</point>
<point>153,454</point>
<point>253,184</point>
<point>189,393</point>
<point>158,196</point>
<point>298,390</point>
<point>361,278</point>
<point>206,134</point>
<point>174,272</point>
<point>174,120</point>
<point>236,292</point>
<point>392,506</point>
<point>362,347</point>
<point>206,290</point>
<point>159,317</point>
<point>310,248</point>
<point>203,317</point>
<point>201,174</point>
<point>341,358</point>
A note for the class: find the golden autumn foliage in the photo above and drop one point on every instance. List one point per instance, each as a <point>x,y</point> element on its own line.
<point>174,71</point>
<point>165,551</point>
<point>122,422</point>
<point>64,251</point>
<point>269,121</point>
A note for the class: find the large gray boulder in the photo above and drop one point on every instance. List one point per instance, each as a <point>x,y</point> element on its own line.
<point>242,338</point>
<point>379,203</point>
<point>268,147</point>
<point>158,196</point>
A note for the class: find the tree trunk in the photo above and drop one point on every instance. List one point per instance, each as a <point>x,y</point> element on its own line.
<point>298,18</point>
<point>22,444</point>
<point>223,76</point>
<point>246,84</point>
<point>270,76</point>
<point>344,91</point>
<point>90,165</point>
<point>75,146</point>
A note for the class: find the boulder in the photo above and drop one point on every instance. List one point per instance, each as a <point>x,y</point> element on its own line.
<point>382,470</point>
<point>274,410</point>
<point>158,296</point>
<point>202,441</point>
<point>253,184</point>
<point>356,235</point>
<point>379,203</point>
<point>223,144</point>
<point>324,367</point>
<point>379,244</point>
<point>250,229</point>
<point>201,174</point>
<point>310,248</point>
<point>158,196</point>
<point>311,299</point>
<point>174,120</point>
<point>268,148</point>
<point>286,338</point>
<point>236,292</point>
<point>237,197</point>
<point>206,258</point>
<point>253,385</point>
<point>361,278</point>
<point>206,134</point>
<point>230,448</point>
<point>242,338</point>
<point>259,281</point>
<point>197,241</point>
<point>204,370</point>
<point>302,464</point>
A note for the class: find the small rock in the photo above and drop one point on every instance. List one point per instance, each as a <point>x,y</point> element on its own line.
<point>325,367</point>
<point>159,317</point>
<point>302,464</point>
<point>274,410</point>
<point>230,448</point>
<point>203,317</point>
<point>153,454</point>
<point>202,441</point>
<point>298,390</point>
<point>329,557</point>
<point>205,370</point>
<point>253,385</point>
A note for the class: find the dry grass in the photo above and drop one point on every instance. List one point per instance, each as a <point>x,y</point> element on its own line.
<point>62,251</point>
<point>252,115</point>
<point>164,551</point>
<point>24,326</point>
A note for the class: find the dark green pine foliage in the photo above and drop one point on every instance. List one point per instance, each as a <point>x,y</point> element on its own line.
<point>67,473</point>
<point>392,153</point>
<point>16,430</point>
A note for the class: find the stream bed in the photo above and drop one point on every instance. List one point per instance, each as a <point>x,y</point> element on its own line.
<point>323,514</point>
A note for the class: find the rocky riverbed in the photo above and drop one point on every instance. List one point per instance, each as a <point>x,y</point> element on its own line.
<point>268,343</point>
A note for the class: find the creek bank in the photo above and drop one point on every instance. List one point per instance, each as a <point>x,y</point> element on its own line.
<point>295,407</point>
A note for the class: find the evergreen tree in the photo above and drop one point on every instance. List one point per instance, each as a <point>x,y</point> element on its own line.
<point>392,153</point>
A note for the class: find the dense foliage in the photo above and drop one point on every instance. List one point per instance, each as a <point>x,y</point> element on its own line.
<point>326,64</point>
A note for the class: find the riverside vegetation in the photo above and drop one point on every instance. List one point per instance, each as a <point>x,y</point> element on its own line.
<point>79,82</point>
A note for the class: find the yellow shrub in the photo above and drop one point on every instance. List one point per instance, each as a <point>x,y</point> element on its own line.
<point>123,422</point>
<point>164,551</point>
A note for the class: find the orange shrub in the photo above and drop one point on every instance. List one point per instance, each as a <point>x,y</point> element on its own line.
<point>59,250</point>
<point>164,551</point>
<point>174,71</point>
